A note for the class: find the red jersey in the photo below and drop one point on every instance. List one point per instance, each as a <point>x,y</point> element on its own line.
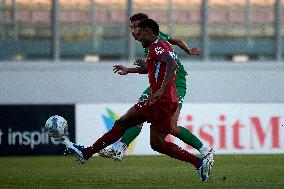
<point>160,113</point>
<point>157,70</point>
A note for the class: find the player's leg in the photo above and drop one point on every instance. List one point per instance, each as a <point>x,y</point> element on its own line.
<point>187,137</point>
<point>117,152</point>
<point>130,118</point>
<point>183,133</point>
<point>130,134</point>
<point>159,144</point>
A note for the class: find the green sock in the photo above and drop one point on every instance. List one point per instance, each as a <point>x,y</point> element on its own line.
<point>130,134</point>
<point>187,137</point>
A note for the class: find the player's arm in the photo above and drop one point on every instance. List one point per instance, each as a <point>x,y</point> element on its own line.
<point>141,68</point>
<point>170,72</point>
<point>170,69</point>
<point>179,42</point>
<point>122,70</point>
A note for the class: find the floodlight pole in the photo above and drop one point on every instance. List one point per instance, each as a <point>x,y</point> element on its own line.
<point>170,17</point>
<point>130,50</point>
<point>3,20</point>
<point>55,31</point>
<point>15,25</point>
<point>277,30</point>
<point>93,18</point>
<point>248,22</point>
<point>204,30</point>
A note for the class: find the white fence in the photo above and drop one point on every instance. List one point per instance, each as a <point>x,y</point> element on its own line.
<point>79,82</point>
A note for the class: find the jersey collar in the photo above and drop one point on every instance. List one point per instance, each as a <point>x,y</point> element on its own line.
<point>156,41</point>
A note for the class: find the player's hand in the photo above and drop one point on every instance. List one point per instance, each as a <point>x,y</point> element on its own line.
<point>140,63</point>
<point>120,69</point>
<point>154,97</point>
<point>141,66</point>
<point>195,51</point>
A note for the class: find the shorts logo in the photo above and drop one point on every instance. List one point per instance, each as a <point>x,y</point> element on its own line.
<point>159,50</point>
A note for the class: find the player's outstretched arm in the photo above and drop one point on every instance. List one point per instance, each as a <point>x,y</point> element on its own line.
<point>179,42</point>
<point>141,68</point>
<point>120,69</point>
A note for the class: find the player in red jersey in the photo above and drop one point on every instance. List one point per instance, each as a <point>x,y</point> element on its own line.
<point>117,152</point>
<point>158,109</point>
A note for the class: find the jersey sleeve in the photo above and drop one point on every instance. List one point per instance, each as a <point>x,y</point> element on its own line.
<point>164,36</point>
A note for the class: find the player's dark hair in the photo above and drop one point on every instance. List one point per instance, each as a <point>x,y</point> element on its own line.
<point>139,16</point>
<point>150,23</point>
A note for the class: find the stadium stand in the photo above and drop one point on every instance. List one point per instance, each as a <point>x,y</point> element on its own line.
<point>226,25</point>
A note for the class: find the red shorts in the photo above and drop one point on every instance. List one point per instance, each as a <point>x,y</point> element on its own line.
<point>158,114</point>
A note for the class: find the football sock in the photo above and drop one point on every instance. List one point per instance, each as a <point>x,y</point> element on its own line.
<point>130,134</point>
<point>176,152</point>
<point>107,139</point>
<point>187,137</point>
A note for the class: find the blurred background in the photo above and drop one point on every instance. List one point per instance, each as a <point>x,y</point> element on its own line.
<point>238,30</point>
<point>57,57</point>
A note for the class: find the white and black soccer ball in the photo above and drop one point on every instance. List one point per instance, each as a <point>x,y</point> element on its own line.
<point>56,126</point>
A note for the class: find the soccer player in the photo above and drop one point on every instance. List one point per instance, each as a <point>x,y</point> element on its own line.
<point>182,133</point>
<point>157,110</point>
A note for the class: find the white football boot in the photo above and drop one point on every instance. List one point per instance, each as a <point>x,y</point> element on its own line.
<point>201,173</point>
<point>116,153</point>
<point>75,149</point>
<point>207,163</point>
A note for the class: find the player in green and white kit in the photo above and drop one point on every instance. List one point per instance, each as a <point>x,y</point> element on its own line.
<point>180,132</point>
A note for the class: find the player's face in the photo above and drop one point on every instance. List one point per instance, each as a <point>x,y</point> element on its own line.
<point>134,28</point>
<point>144,37</point>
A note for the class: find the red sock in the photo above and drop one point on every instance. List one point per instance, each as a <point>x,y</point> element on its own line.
<point>107,139</point>
<point>176,152</point>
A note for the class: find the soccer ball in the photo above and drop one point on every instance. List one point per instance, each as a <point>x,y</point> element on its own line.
<point>56,126</point>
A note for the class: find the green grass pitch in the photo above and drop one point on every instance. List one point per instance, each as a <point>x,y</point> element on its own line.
<point>157,172</point>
